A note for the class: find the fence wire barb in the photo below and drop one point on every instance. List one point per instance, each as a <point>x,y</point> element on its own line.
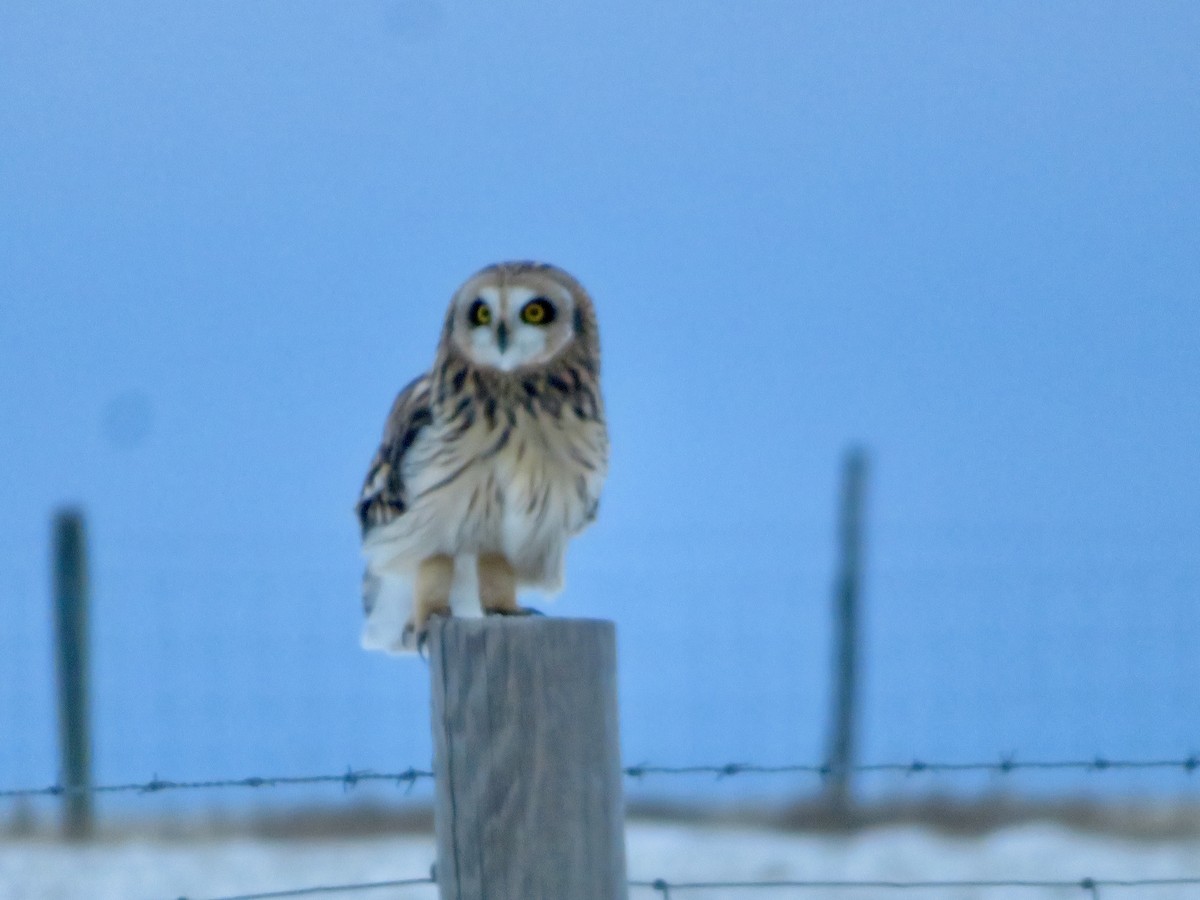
<point>409,777</point>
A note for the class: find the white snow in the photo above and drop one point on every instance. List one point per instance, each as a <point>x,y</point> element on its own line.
<point>148,869</point>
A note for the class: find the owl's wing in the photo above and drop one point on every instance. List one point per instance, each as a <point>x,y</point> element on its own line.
<point>384,497</point>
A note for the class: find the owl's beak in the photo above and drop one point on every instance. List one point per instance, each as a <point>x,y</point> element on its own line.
<point>502,337</point>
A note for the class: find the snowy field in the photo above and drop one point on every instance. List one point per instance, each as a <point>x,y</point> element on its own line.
<point>146,869</point>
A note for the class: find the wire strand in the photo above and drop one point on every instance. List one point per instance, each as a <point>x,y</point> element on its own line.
<point>409,777</point>
<point>1004,766</point>
<point>666,888</point>
<point>1092,885</point>
<point>330,889</point>
<point>348,779</point>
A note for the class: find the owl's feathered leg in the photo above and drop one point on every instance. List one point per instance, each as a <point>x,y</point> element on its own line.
<point>431,594</point>
<point>497,585</point>
<point>387,602</point>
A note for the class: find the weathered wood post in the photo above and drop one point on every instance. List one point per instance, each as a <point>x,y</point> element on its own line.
<point>71,643</point>
<point>529,802</point>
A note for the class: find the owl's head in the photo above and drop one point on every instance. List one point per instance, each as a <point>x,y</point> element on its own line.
<point>517,314</point>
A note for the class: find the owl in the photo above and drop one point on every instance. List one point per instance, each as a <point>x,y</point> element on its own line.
<point>490,462</point>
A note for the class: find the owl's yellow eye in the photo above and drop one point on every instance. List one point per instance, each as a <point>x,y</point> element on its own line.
<point>479,313</point>
<point>538,311</point>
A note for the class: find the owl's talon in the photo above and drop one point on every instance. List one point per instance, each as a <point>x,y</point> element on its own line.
<point>409,637</point>
<point>418,637</point>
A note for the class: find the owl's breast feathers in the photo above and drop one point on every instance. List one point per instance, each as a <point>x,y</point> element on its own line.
<point>473,457</point>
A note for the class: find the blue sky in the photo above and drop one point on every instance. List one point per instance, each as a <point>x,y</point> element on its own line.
<point>963,234</point>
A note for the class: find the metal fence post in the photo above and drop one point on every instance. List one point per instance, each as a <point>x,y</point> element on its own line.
<point>71,651</point>
<point>529,799</point>
<point>846,591</point>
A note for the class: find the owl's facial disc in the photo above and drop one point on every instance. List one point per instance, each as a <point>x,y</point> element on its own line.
<point>510,326</point>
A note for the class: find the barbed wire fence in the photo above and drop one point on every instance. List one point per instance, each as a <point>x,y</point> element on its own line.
<point>827,774</point>
<point>410,777</point>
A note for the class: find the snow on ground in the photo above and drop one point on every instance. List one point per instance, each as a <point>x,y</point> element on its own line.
<point>147,869</point>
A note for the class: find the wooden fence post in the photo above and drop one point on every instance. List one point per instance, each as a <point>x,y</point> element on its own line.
<point>846,610</point>
<point>71,651</point>
<point>529,802</point>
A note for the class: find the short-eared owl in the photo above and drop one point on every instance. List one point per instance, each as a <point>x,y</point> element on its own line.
<point>491,461</point>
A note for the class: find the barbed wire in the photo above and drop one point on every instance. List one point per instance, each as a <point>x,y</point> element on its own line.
<point>665,888</point>
<point>1090,885</point>
<point>409,777</point>
<point>331,889</point>
<point>1005,765</point>
<point>348,779</point>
